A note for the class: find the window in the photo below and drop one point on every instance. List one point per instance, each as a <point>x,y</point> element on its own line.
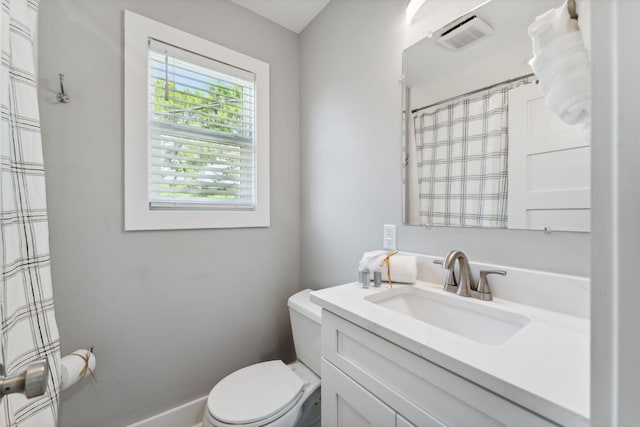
<point>196,132</point>
<point>201,127</point>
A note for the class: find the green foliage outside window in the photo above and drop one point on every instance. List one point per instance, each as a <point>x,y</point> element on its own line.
<point>218,112</point>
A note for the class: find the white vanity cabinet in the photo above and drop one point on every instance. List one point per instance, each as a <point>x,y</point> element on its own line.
<point>369,381</point>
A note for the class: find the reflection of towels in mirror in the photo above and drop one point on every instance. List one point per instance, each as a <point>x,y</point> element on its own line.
<point>549,25</point>
<point>561,62</point>
<point>584,22</point>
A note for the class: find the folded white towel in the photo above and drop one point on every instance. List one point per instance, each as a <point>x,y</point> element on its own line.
<point>372,260</point>
<point>549,25</point>
<point>562,65</point>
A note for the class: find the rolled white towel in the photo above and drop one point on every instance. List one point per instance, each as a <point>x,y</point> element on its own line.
<point>560,54</point>
<point>565,78</point>
<point>403,269</point>
<point>570,98</point>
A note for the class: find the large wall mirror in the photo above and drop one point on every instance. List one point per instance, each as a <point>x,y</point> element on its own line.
<point>481,147</point>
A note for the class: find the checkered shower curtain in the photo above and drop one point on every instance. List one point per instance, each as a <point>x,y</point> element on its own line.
<point>461,151</point>
<point>28,330</point>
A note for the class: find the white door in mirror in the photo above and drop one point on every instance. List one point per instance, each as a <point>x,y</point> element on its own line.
<point>549,172</point>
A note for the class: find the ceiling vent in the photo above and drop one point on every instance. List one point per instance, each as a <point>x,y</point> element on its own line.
<point>465,34</point>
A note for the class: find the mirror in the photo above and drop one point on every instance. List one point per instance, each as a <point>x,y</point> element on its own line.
<point>481,147</point>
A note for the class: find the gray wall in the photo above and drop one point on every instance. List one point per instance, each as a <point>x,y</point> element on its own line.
<point>350,156</point>
<point>169,312</point>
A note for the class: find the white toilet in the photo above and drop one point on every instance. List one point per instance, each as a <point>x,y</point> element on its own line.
<point>271,393</point>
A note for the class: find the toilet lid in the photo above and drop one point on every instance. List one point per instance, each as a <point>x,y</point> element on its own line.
<point>254,393</point>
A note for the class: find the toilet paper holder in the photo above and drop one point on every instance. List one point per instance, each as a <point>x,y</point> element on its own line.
<point>32,382</point>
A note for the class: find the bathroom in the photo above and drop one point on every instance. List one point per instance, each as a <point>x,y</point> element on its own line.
<point>169,313</point>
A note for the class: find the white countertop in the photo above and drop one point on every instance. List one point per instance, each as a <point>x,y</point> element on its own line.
<point>544,367</point>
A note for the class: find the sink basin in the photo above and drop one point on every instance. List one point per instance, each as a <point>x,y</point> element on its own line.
<point>473,319</point>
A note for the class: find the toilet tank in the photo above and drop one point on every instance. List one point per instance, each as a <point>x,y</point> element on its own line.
<point>305,324</point>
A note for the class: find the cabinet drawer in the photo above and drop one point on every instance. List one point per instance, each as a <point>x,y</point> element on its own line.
<point>414,387</point>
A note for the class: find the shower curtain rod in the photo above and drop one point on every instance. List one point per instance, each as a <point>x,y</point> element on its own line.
<point>513,80</point>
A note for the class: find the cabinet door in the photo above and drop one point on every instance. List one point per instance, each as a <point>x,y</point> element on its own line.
<point>346,404</point>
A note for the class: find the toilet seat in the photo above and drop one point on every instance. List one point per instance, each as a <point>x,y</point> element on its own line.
<point>255,395</point>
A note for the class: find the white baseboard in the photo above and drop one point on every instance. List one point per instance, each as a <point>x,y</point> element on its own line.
<point>187,415</point>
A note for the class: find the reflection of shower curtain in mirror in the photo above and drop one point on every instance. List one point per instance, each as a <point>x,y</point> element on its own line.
<point>28,331</point>
<point>461,152</point>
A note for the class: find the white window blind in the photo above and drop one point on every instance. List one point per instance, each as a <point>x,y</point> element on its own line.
<point>202,145</point>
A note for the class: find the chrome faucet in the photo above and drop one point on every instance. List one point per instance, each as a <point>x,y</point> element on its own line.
<point>465,282</point>
<point>465,286</point>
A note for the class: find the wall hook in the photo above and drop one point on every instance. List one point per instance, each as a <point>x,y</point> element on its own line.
<point>63,97</point>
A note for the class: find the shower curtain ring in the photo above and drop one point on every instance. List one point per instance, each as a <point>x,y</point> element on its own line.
<point>63,97</point>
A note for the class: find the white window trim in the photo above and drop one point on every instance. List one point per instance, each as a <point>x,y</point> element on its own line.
<point>138,215</point>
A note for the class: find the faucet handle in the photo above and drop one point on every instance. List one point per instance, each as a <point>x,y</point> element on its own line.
<point>483,283</point>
